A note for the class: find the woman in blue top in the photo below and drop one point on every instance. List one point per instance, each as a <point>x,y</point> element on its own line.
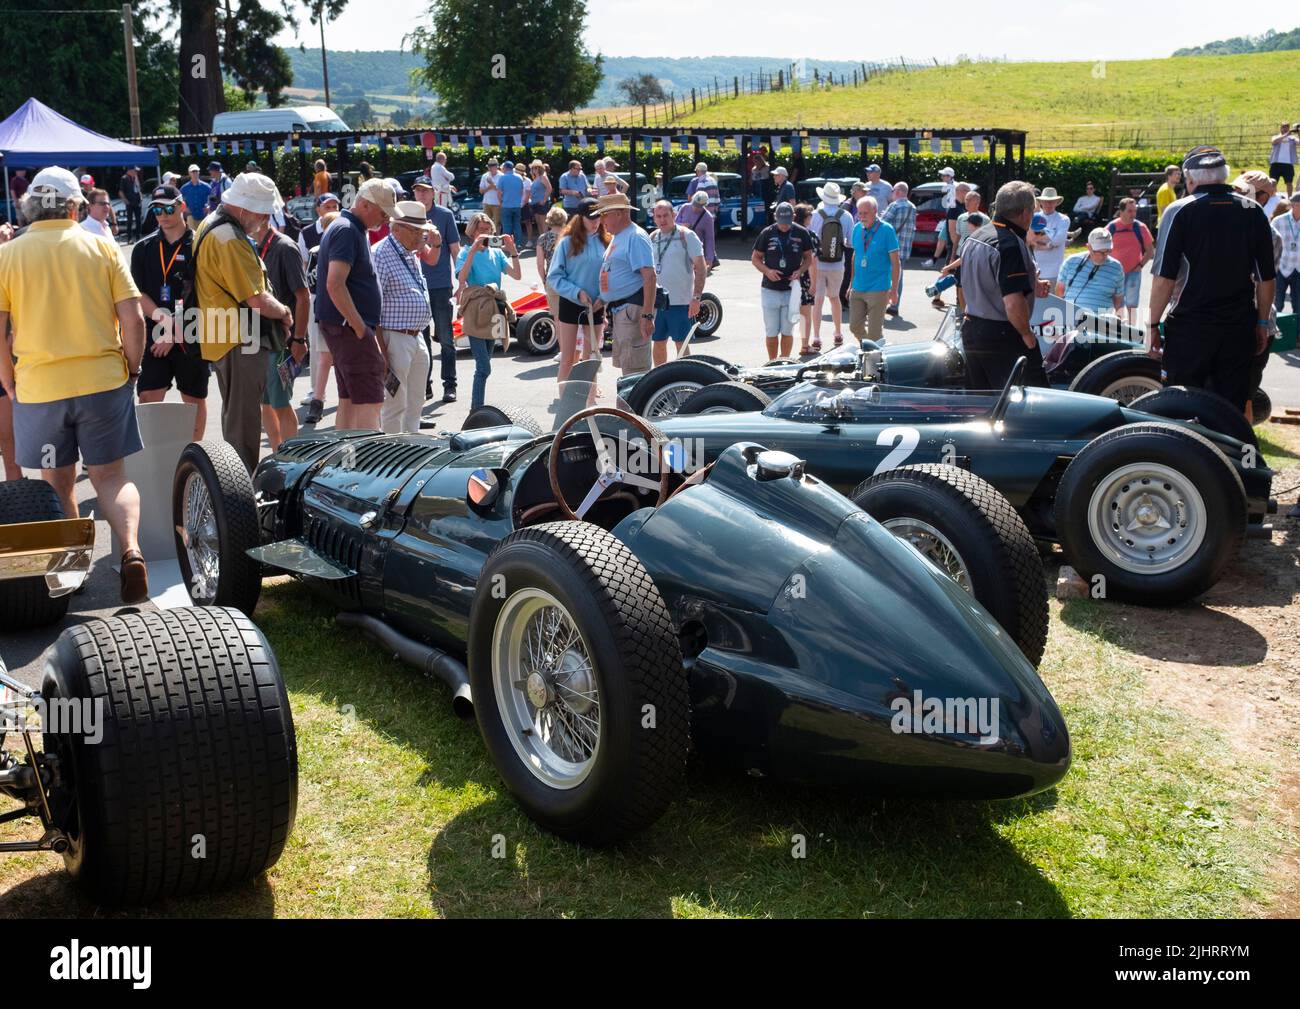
<point>575,276</point>
<point>478,266</point>
<point>539,201</point>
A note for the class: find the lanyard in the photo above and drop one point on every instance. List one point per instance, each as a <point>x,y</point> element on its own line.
<point>415,277</point>
<point>1291,227</point>
<point>266,244</point>
<point>867,245</point>
<point>166,269</point>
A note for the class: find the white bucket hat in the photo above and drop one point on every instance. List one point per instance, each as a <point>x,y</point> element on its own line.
<point>253,192</point>
<point>830,193</point>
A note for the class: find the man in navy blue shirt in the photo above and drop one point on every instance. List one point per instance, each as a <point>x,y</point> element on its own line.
<point>348,303</point>
<point>438,277</point>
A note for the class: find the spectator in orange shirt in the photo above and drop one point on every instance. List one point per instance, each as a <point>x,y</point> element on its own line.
<point>320,182</point>
<point>1134,248</point>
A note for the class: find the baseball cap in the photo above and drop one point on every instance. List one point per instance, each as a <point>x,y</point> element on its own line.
<point>57,182</point>
<point>873,168</point>
<point>325,198</point>
<point>508,165</point>
<point>780,170</point>
<point>588,208</point>
<point>380,193</point>
<point>165,195</point>
<point>194,168</point>
<point>1204,157</point>
<point>1038,223</point>
<point>424,181</point>
<point>252,166</point>
<point>86,180</point>
<point>784,213</point>
<point>1099,240</point>
<point>947,172</point>
<point>216,165</point>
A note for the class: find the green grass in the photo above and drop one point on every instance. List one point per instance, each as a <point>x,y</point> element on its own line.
<point>1156,103</point>
<point>400,811</point>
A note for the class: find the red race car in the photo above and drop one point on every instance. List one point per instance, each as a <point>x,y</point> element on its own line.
<point>535,328</point>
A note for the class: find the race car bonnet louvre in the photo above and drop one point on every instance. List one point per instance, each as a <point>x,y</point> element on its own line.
<point>298,558</point>
<point>389,457</point>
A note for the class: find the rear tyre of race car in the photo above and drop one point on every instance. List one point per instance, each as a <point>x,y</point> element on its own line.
<point>1154,509</point>
<point>662,390</point>
<point>214,516</point>
<point>26,602</point>
<point>962,525</point>
<point>1209,409</point>
<point>1261,406</point>
<point>189,780</point>
<point>1121,376</point>
<point>710,314</point>
<point>725,397</point>
<point>501,416</point>
<point>536,331</point>
<point>580,692</point>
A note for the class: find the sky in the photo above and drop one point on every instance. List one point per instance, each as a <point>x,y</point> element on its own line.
<point>1101,29</point>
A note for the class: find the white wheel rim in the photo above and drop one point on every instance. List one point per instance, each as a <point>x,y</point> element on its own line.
<point>542,336</point>
<point>719,409</point>
<point>201,539</point>
<point>934,546</point>
<point>545,686</point>
<point>1130,387</point>
<point>706,317</point>
<point>1147,518</point>
<point>668,400</point>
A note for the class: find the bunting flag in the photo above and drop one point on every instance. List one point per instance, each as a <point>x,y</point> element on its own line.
<point>428,139</point>
<point>666,144</point>
<point>855,144</point>
<point>288,145</point>
<point>162,150</point>
<point>914,144</point>
<point>455,142</point>
<point>600,146</point>
<point>530,140</point>
<point>776,144</point>
<point>835,145</point>
<point>519,139</point>
<point>739,143</point>
<point>210,150</point>
<point>582,140</point>
<point>796,144</point>
<point>304,145</point>
<point>978,144</point>
<point>185,149</point>
<point>893,145</point>
<point>813,144</point>
<point>617,139</point>
<point>935,145</point>
<point>548,141</point>
<point>956,145</point>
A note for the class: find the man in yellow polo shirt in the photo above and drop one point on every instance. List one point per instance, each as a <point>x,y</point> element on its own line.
<point>78,335</point>
<point>233,292</point>
<point>1168,191</point>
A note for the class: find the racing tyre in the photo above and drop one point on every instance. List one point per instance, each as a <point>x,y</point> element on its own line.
<point>725,397</point>
<point>710,359</point>
<point>968,530</point>
<point>1121,376</point>
<point>536,331</point>
<point>501,416</point>
<point>1155,509</point>
<point>190,780</point>
<point>710,314</point>
<point>1261,406</point>
<point>579,688</point>
<point>215,519</point>
<point>26,602</point>
<point>1209,409</point>
<point>664,389</point>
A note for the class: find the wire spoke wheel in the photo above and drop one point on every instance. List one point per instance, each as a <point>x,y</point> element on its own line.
<point>1147,518</point>
<point>934,546</point>
<point>668,400</point>
<point>201,538</point>
<point>546,688</point>
<point>1127,389</point>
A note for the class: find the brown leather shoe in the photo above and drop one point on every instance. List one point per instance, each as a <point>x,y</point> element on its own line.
<point>135,578</point>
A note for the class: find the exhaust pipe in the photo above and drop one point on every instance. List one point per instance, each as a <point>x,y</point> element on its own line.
<point>431,661</point>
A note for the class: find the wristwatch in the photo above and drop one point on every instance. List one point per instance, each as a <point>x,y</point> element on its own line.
<point>648,315</point>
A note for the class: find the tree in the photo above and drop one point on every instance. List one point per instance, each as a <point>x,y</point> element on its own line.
<point>74,63</point>
<point>401,116</point>
<point>358,115</point>
<point>643,89</point>
<point>506,61</point>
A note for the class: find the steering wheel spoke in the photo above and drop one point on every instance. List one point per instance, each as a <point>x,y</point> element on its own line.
<point>608,473</point>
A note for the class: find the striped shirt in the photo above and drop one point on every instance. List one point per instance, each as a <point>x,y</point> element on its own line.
<point>401,285</point>
<point>902,215</point>
<point>1093,286</point>
<point>1287,228</point>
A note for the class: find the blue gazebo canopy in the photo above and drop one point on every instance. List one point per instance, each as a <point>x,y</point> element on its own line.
<point>36,136</point>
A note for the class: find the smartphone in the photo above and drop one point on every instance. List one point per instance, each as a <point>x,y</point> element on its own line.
<point>392,383</point>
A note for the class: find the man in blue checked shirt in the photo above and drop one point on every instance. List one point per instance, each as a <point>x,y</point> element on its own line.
<point>404,314</point>
<point>901,215</point>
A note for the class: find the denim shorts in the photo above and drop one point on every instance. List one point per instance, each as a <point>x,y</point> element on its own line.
<point>1133,288</point>
<point>777,320</point>
<point>101,427</point>
<point>674,321</point>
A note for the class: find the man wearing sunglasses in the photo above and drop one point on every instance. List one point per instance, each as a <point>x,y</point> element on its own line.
<point>97,213</point>
<point>162,266</point>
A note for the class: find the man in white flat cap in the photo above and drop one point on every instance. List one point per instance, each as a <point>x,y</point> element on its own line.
<point>232,289</point>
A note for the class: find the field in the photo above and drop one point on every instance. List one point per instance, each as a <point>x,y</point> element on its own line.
<point>1181,801</point>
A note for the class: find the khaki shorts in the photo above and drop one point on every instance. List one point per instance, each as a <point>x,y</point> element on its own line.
<point>631,345</point>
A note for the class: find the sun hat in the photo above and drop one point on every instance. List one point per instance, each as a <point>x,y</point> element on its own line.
<point>253,192</point>
<point>613,201</point>
<point>830,193</point>
<point>1049,195</point>
<point>412,214</point>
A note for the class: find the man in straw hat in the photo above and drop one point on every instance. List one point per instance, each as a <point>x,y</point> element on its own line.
<point>1049,248</point>
<point>234,295</point>
<point>405,313</point>
<point>627,284</point>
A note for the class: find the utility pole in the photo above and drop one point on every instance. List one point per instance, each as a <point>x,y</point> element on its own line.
<point>324,63</point>
<point>132,87</point>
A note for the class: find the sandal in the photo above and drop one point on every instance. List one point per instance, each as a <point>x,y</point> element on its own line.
<point>839,340</point>
<point>817,345</point>
<point>805,349</point>
<point>135,578</point>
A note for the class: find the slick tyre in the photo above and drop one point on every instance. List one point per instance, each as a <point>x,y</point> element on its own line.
<point>536,331</point>
<point>970,532</point>
<point>580,692</point>
<point>192,783</point>
<point>1155,509</point>
<point>26,602</point>
<point>1209,409</point>
<point>215,521</point>
<point>1121,376</point>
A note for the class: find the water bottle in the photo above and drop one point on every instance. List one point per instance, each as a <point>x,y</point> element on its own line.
<point>941,285</point>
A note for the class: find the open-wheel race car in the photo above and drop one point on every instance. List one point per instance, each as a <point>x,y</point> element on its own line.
<point>167,763</point>
<point>1153,502</point>
<point>601,613</point>
<point>1103,357</point>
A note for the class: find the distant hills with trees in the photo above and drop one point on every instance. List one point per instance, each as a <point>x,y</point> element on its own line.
<point>1270,41</point>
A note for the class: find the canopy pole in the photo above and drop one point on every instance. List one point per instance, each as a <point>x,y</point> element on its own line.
<point>9,202</point>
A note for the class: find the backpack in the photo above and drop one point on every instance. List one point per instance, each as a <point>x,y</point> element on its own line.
<point>1137,233</point>
<point>830,240</point>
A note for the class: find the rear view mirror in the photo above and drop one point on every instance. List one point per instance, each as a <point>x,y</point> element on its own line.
<point>483,488</point>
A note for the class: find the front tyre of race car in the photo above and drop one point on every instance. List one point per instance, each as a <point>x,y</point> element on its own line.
<point>1261,406</point>
<point>501,416</point>
<point>1121,376</point>
<point>581,695</point>
<point>661,391</point>
<point>214,516</point>
<point>536,331</point>
<point>1154,509</point>
<point>968,530</point>
<point>710,314</point>
<point>725,397</point>
<point>1209,409</point>
<point>181,774</point>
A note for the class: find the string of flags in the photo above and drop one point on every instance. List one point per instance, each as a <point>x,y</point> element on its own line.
<point>470,140</point>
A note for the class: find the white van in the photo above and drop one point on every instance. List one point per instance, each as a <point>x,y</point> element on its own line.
<point>282,120</point>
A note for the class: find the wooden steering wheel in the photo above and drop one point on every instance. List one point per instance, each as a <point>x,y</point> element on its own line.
<point>608,473</point>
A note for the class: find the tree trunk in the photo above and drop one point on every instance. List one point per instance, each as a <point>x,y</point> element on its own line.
<point>202,95</point>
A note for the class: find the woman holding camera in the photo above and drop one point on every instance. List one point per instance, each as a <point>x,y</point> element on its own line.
<point>484,259</point>
<point>575,277</point>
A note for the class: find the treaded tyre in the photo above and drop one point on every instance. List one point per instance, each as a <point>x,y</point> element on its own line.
<point>710,314</point>
<point>725,397</point>
<point>662,390</point>
<point>26,602</point>
<point>501,416</point>
<point>1155,509</point>
<point>966,528</point>
<point>215,518</point>
<point>1209,409</point>
<point>591,738</point>
<point>1122,376</point>
<point>193,785</point>
<point>536,331</point>
<point>1261,406</point>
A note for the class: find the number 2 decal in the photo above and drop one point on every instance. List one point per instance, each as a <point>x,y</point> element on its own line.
<point>904,441</point>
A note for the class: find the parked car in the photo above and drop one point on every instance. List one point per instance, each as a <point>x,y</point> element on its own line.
<point>729,187</point>
<point>806,189</point>
<point>928,198</point>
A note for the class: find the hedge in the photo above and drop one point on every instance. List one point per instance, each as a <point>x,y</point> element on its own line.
<point>1066,170</point>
